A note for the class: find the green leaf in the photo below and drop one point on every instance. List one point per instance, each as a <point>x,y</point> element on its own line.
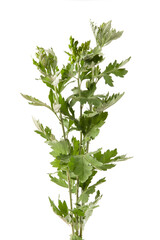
<point>48,81</point>
<point>89,113</point>
<point>92,133</point>
<point>35,101</point>
<point>63,207</point>
<point>88,181</point>
<point>86,96</point>
<point>93,161</point>
<point>51,97</point>
<point>67,72</point>
<point>114,68</point>
<point>75,148</point>
<point>109,101</point>
<point>94,100</point>
<point>109,155</point>
<point>108,79</point>
<point>104,34</point>
<point>93,58</point>
<point>55,209</point>
<point>56,163</point>
<point>66,109</point>
<point>121,158</point>
<point>105,167</point>
<point>44,132</point>
<point>90,125</point>
<point>77,52</point>
<point>62,175</point>
<point>58,181</point>
<point>106,157</point>
<point>75,237</point>
<point>80,167</point>
<point>78,212</point>
<point>59,148</point>
<point>47,61</point>
<point>61,210</point>
<point>74,49</point>
<point>84,197</point>
<point>97,194</point>
<point>90,208</point>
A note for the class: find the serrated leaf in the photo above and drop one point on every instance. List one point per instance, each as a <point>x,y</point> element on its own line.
<point>106,156</point>
<point>104,34</point>
<point>78,212</point>
<point>48,81</point>
<point>58,181</point>
<point>109,101</point>
<point>114,68</point>
<point>97,194</point>
<point>60,212</point>
<point>78,52</point>
<point>59,148</point>
<point>92,133</point>
<point>88,181</point>
<point>124,62</point>
<point>63,207</point>
<point>62,175</point>
<point>109,158</point>
<point>108,79</point>
<point>121,158</point>
<point>43,132</point>
<point>93,161</point>
<point>90,208</point>
<point>93,100</point>
<point>80,167</point>
<point>90,125</point>
<point>56,163</point>
<point>66,108</point>
<point>67,73</point>
<point>105,167</point>
<point>55,209</point>
<point>93,58</point>
<point>46,61</point>
<point>34,101</point>
<point>84,197</point>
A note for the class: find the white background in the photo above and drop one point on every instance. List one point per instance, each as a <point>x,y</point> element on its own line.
<point>130,207</point>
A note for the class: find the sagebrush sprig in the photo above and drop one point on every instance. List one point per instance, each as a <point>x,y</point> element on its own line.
<point>76,165</point>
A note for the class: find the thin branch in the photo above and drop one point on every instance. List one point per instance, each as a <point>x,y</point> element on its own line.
<point>68,177</point>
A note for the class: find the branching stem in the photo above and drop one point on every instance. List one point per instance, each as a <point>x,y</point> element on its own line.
<point>81,135</point>
<point>68,177</point>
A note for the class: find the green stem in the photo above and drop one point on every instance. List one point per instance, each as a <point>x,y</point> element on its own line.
<point>77,198</point>
<point>64,133</point>
<point>68,178</point>
<point>70,196</point>
<point>87,148</point>
<point>81,107</point>
<point>80,142</point>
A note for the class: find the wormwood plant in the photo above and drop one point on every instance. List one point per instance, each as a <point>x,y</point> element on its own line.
<point>75,165</point>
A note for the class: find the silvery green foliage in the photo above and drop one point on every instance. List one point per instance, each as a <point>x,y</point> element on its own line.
<point>75,165</point>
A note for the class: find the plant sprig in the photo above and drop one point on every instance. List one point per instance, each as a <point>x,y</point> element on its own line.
<point>76,165</point>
